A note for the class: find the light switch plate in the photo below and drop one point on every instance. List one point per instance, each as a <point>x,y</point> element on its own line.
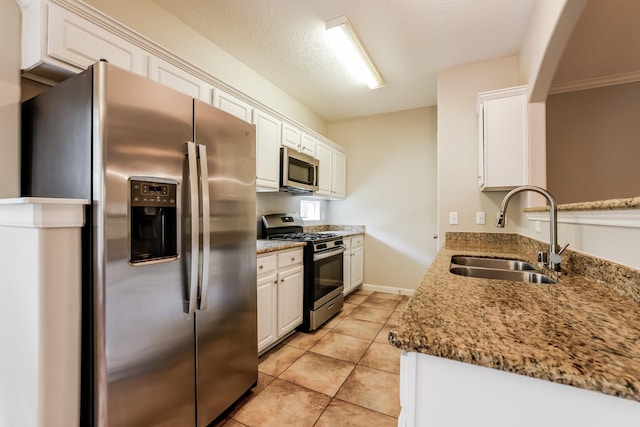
<point>453,218</point>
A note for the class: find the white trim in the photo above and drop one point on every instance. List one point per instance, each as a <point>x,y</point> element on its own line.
<point>387,289</point>
<point>615,79</point>
<point>37,212</point>
<point>614,218</point>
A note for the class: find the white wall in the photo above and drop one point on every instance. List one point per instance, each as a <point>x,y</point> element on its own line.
<point>458,189</point>
<point>9,99</point>
<point>152,21</point>
<point>281,202</point>
<point>391,189</point>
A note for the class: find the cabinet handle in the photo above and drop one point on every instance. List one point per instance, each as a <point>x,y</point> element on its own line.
<point>293,259</point>
<point>260,267</point>
<point>281,280</point>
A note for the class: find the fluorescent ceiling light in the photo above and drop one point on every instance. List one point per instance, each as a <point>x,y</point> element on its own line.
<point>353,52</point>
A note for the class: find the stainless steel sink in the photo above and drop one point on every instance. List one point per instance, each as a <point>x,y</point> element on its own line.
<point>502,264</point>
<point>495,268</point>
<point>494,273</point>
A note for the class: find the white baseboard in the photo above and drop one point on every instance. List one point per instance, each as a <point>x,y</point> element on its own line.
<point>387,289</point>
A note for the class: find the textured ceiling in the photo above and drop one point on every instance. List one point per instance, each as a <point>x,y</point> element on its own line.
<point>409,40</point>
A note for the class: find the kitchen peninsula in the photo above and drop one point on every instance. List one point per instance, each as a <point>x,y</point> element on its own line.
<point>583,331</point>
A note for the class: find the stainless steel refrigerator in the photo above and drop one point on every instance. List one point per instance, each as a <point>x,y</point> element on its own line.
<point>169,270</point>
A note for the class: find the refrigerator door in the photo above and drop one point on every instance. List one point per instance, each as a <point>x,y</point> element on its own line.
<point>227,356</point>
<point>145,350</point>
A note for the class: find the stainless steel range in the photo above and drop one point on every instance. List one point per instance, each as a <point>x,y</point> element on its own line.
<point>323,266</point>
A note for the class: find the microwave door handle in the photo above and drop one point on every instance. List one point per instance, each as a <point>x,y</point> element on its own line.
<point>195,229</point>
<point>206,226</point>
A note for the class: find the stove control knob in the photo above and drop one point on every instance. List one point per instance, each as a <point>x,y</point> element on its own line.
<point>321,246</point>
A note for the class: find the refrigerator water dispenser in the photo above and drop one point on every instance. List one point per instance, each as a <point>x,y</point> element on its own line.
<point>153,216</point>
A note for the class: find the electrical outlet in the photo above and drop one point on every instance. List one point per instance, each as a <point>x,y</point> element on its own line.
<point>537,226</point>
<point>480,218</point>
<point>453,218</point>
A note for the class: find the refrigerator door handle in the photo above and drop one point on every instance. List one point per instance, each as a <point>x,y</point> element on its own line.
<point>206,232</point>
<point>195,227</point>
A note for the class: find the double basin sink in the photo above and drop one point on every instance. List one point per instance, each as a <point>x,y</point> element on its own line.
<point>495,268</point>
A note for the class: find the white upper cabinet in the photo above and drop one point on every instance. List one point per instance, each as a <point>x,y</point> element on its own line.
<point>61,38</point>
<point>178,79</point>
<point>268,136</point>
<point>503,149</point>
<point>332,171</point>
<point>232,105</point>
<point>290,136</point>
<point>308,144</point>
<point>63,43</point>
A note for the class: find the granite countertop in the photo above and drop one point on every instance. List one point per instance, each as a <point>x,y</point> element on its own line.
<point>264,246</point>
<point>583,331</point>
<point>611,204</point>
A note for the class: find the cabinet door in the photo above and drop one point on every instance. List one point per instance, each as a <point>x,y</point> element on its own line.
<point>308,144</point>
<point>339,175</point>
<point>232,105</point>
<point>346,272</point>
<point>289,299</point>
<point>290,136</point>
<point>178,79</point>
<point>80,43</point>
<point>357,266</point>
<point>324,156</point>
<point>268,132</point>
<point>267,311</point>
<point>503,116</point>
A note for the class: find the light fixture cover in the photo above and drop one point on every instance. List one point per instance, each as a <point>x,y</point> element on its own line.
<point>353,52</point>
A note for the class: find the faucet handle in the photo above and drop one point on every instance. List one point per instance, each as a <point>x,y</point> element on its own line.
<point>563,249</point>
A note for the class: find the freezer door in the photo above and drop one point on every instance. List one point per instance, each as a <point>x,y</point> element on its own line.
<point>144,336</point>
<point>227,356</point>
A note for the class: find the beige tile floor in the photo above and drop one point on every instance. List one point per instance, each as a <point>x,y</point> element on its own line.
<point>344,374</point>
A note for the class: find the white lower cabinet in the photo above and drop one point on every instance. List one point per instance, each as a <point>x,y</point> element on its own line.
<point>279,287</point>
<point>353,266</point>
<point>435,391</point>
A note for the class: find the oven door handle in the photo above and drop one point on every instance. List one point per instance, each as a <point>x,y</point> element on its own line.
<point>329,253</point>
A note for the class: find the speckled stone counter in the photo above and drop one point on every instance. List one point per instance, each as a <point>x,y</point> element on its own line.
<point>583,331</point>
<point>600,205</point>
<point>264,246</point>
<point>340,230</point>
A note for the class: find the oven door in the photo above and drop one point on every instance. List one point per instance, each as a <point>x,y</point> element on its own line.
<point>327,275</point>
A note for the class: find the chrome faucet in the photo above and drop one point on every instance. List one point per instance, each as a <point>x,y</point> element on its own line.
<point>554,259</point>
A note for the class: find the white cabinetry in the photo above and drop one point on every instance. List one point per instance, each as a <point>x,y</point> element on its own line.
<point>290,136</point>
<point>332,171</point>
<point>268,135</point>
<point>61,43</point>
<point>353,265</point>
<point>232,105</point>
<point>279,287</point>
<point>178,79</point>
<point>301,141</point>
<point>503,151</point>
<point>308,144</point>
<point>435,391</point>
<point>290,280</point>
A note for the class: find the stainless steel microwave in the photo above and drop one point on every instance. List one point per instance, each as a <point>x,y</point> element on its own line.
<point>298,171</point>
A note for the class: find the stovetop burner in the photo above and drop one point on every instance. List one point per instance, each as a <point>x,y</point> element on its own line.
<point>305,237</point>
